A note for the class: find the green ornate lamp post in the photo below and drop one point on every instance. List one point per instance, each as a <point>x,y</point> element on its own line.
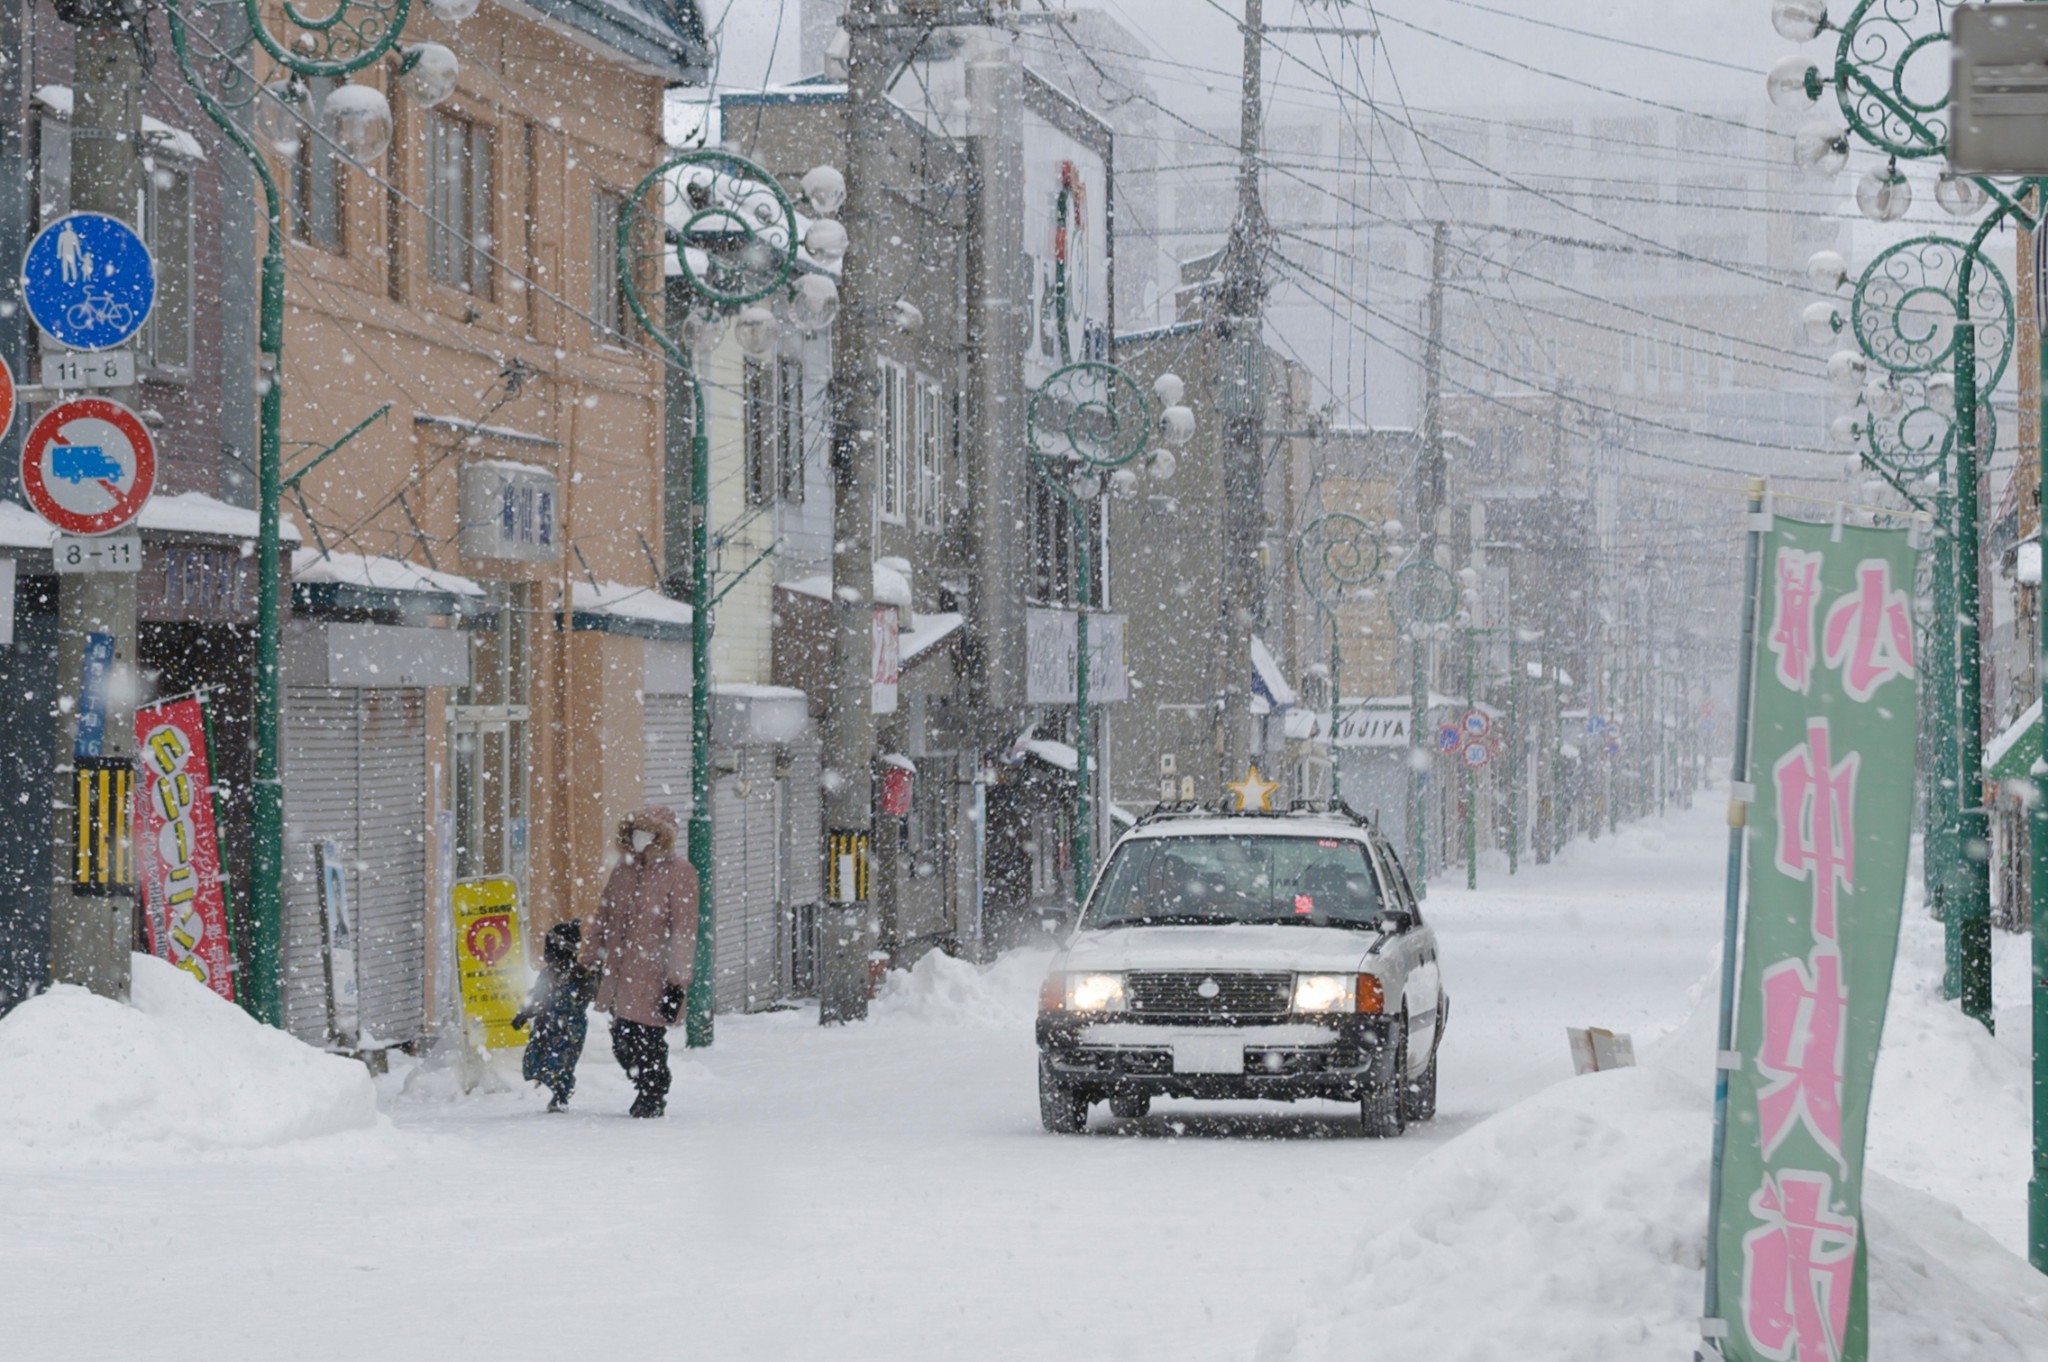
<point>1088,423</point>
<point>734,237</point>
<point>213,42</point>
<point>1333,555</point>
<point>1425,594</point>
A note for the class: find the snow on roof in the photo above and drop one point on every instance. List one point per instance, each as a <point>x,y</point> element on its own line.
<point>378,574</point>
<point>891,587</point>
<point>1268,678</point>
<point>1301,723</point>
<point>1119,814</point>
<point>1053,753</point>
<point>930,631</point>
<point>628,602</point>
<point>502,434</point>
<point>198,513</point>
<point>748,690</point>
<point>57,99</point>
<point>2027,563</point>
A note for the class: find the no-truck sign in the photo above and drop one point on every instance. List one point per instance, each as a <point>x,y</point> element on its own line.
<point>88,466</point>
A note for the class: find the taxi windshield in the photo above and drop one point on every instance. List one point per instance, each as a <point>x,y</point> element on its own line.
<point>1308,881</point>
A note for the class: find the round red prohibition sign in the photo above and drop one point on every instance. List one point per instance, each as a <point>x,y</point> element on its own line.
<point>6,397</point>
<point>88,466</point>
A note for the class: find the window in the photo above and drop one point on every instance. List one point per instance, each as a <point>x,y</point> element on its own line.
<point>164,348</point>
<point>316,180</point>
<point>931,443</point>
<point>459,203</point>
<point>608,304</point>
<point>894,414</point>
<point>789,401</point>
<point>1236,880</point>
<point>772,397</point>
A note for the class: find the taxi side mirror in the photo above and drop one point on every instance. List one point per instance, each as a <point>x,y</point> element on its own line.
<point>1396,920</point>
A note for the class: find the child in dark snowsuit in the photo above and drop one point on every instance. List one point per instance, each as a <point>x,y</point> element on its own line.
<point>555,1011</point>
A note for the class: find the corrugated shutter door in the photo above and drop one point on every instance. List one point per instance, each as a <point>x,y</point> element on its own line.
<point>729,887</point>
<point>667,755</point>
<point>806,823</point>
<point>390,879</point>
<point>764,881</point>
<point>319,802</point>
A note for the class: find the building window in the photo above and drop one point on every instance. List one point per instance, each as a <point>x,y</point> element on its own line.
<point>459,180</point>
<point>608,306</point>
<point>789,407</point>
<point>895,433</point>
<point>772,393</point>
<point>164,348</point>
<point>316,180</point>
<point>931,431</point>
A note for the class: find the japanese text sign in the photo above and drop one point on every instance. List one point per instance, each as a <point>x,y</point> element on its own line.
<point>490,959</point>
<point>185,901</point>
<point>1832,756</point>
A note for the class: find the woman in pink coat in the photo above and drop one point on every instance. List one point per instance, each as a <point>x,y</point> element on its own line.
<point>644,942</point>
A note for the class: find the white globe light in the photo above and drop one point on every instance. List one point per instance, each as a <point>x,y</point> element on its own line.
<point>357,119</point>
<point>1786,85</point>
<point>1827,270</point>
<point>907,315</point>
<point>1163,465</point>
<point>1844,431</point>
<point>1821,322</point>
<point>826,241</point>
<point>429,73</point>
<point>1169,389</point>
<point>1799,20</point>
<point>701,332</point>
<point>825,187</point>
<point>1177,424</point>
<point>1847,370</point>
<point>1123,482</point>
<point>817,302</point>
<point>452,11</point>
<point>1959,195</point>
<point>1941,393</point>
<point>755,327</point>
<point>282,114</point>
<point>1883,399</point>
<point>1820,148</point>
<point>1884,195</point>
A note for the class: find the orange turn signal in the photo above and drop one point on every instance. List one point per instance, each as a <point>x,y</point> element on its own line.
<point>1371,997</point>
<point>1052,994</point>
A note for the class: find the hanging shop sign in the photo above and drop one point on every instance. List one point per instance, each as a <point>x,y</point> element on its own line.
<point>1049,647</point>
<point>1371,726</point>
<point>89,281</point>
<point>103,856</point>
<point>88,466</point>
<point>490,960</point>
<point>1832,761</point>
<point>888,658</point>
<point>184,897</point>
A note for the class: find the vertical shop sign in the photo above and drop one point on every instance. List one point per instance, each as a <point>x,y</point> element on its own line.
<point>184,898</point>
<point>490,959</point>
<point>1832,757</point>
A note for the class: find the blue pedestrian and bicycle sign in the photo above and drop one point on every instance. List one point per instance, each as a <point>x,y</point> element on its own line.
<point>89,281</point>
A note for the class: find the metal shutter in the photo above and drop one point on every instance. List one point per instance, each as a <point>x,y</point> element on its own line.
<point>746,868</point>
<point>667,759</point>
<point>355,767</point>
<point>806,815</point>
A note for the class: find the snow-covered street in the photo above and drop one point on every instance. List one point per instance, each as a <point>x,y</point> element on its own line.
<point>884,1191</point>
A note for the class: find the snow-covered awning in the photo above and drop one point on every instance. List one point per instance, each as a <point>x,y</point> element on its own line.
<point>184,513</point>
<point>155,132</point>
<point>352,581</point>
<point>1270,690</point>
<point>617,608</point>
<point>1052,753</point>
<point>892,587</point>
<point>929,632</point>
<point>504,435</point>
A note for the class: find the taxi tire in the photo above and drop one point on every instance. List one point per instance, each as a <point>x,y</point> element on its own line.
<point>1382,1108</point>
<point>1061,1109</point>
<point>1418,1098</point>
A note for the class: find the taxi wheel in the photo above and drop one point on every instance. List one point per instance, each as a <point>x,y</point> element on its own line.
<point>1061,1110</point>
<point>1418,1096</point>
<point>1385,1114</point>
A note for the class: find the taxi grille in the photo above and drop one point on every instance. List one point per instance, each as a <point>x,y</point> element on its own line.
<point>1207,994</point>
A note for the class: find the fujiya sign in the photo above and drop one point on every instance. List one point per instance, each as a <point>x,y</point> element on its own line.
<point>1371,726</point>
<point>1832,753</point>
<point>1049,649</point>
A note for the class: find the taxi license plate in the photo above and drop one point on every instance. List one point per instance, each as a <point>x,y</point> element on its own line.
<point>1208,1055</point>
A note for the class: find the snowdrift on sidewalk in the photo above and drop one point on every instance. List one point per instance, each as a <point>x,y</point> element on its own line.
<point>176,1066</point>
<point>940,990</point>
<point>1573,1227</point>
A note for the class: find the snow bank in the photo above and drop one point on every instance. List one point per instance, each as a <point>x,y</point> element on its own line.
<point>942,991</point>
<point>1573,1227</point>
<point>177,1066</point>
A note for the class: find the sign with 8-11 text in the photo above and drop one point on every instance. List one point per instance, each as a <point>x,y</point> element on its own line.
<point>1831,758</point>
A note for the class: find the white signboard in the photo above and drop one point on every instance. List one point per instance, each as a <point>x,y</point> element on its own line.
<point>6,602</point>
<point>64,371</point>
<point>888,658</point>
<point>1066,249</point>
<point>107,553</point>
<point>1372,726</point>
<point>1049,653</point>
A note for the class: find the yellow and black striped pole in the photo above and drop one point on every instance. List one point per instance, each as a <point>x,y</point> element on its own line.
<point>103,856</point>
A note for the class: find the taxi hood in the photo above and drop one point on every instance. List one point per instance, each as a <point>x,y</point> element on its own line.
<point>1237,947</point>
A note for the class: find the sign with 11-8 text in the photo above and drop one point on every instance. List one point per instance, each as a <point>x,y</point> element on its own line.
<point>1831,756</point>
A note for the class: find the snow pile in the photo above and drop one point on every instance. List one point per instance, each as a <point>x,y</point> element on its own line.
<point>1573,1227</point>
<point>942,991</point>
<point>178,1066</point>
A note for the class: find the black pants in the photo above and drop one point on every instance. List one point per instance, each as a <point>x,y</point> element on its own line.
<point>642,1051</point>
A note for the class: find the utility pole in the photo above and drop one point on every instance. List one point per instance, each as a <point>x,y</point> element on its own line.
<point>850,929</point>
<point>1429,501</point>
<point>1240,388</point>
<point>91,934</point>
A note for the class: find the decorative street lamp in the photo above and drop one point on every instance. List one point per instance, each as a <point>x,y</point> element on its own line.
<point>734,234</point>
<point>1335,555</point>
<point>1087,423</point>
<point>356,121</point>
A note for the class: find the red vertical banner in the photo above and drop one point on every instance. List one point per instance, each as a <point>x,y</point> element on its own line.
<point>180,843</point>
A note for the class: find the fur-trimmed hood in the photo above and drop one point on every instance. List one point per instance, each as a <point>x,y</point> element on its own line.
<point>658,819</point>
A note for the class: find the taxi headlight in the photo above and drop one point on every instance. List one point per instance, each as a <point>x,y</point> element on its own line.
<point>1324,992</point>
<point>1088,992</point>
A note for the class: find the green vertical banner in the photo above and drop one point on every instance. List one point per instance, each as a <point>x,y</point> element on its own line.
<point>1832,762</point>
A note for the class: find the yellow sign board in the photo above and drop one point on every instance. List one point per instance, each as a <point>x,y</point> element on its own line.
<point>490,959</point>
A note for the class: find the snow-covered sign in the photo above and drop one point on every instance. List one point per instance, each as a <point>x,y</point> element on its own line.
<point>888,659</point>
<point>1372,726</point>
<point>1831,760</point>
<point>1049,647</point>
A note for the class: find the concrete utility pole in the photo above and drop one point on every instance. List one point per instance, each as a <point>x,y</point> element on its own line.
<point>91,935</point>
<point>851,928</point>
<point>1429,502</point>
<point>1240,390</point>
